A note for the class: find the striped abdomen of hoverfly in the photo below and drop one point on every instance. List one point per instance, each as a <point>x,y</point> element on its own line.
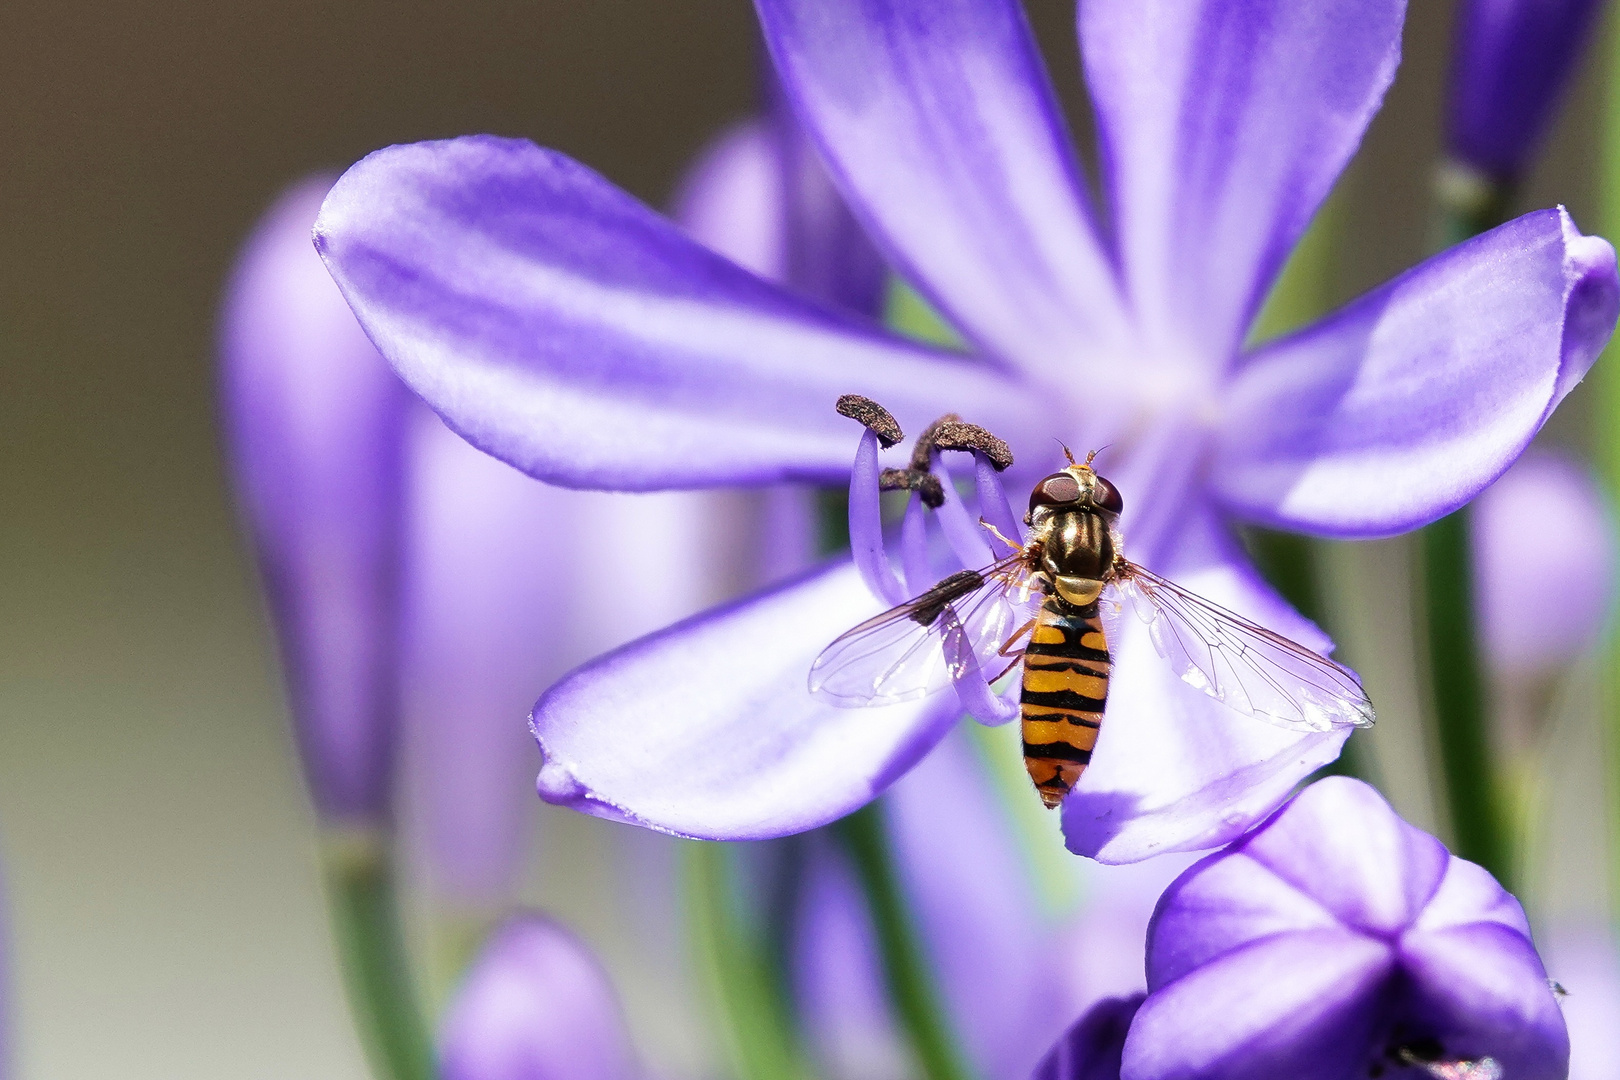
<point>1065,690</point>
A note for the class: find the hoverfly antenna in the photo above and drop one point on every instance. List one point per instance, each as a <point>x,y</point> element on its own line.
<point>1066,451</point>
<point>1093,455</point>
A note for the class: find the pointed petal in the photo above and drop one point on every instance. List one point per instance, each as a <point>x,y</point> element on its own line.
<point>535,1006</point>
<point>1174,769</point>
<point>562,326</point>
<point>1222,126</point>
<point>707,729</point>
<point>1407,403</point>
<point>315,423</point>
<point>937,119</point>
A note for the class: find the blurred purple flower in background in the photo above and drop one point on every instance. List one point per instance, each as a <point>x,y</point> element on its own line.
<point>1511,64</point>
<point>535,1006</point>
<point>1551,499</point>
<point>1337,941</point>
<point>316,424</point>
<point>562,326</point>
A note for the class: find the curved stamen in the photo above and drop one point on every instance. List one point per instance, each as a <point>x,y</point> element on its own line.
<point>993,505</point>
<point>914,546</point>
<point>972,690</point>
<point>962,532</point>
<point>866,523</point>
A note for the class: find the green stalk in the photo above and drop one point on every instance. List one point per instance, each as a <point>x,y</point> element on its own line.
<point>1606,380</point>
<point>1467,204</point>
<point>359,873</point>
<point>906,970</point>
<point>743,973</point>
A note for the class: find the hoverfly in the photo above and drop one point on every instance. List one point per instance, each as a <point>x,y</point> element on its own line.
<point>1045,606</point>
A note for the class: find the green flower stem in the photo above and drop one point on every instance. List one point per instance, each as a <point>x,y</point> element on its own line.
<point>1466,204</point>
<point>906,970</point>
<point>1477,823</point>
<point>743,972</point>
<point>1605,378</point>
<point>377,973</point>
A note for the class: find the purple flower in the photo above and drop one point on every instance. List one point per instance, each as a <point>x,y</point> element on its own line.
<point>1512,61</point>
<point>535,1006</point>
<point>1337,941</point>
<point>1559,503</point>
<point>1093,1048</point>
<point>315,422</point>
<point>565,328</point>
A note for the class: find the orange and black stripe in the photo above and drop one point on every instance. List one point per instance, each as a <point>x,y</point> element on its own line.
<point>1066,669</point>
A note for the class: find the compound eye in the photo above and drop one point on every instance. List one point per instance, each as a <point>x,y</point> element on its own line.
<point>1107,496</point>
<point>1055,490</point>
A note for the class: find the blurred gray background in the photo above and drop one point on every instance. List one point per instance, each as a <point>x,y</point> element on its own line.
<point>164,913</point>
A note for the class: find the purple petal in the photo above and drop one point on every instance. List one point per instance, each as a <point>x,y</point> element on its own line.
<point>535,1006</point>
<point>731,199</point>
<point>1512,61</point>
<point>1300,1005</point>
<point>1574,566</point>
<point>1407,403</point>
<point>1481,991</point>
<point>567,329</point>
<point>1093,1047</point>
<point>489,582</point>
<point>1103,943</point>
<point>938,122</point>
<point>315,424</point>
<point>1174,769</point>
<point>707,729</point>
<point>1222,128</point>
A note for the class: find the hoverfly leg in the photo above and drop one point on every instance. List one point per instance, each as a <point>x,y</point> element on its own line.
<point>1007,645</point>
<point>1012,544</point>
<point>1017,658</point>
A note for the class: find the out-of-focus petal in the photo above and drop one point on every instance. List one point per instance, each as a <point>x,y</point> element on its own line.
<point>1583,959</point>
<point>1223,126</point>
<point>1092,1048</point>
<point>535,1006</point>
<point>1299,1005</point>
<point>1558,502</point>
<point>562,326</point>
<point>731,199</point>
<point>1470,983</point>
<point>1174,769</point>
<point>937,119</point>
<point>708,729</point>
<point>1407,403</point>
<point>489,587</point>
<point>1513,59</point>
<point>314,421</point>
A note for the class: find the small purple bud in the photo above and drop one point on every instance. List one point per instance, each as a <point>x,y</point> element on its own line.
<point>314,421</point>
<point>535,1006</point>
<point>1543,529</point>
<point>1512,61</point>
<point>1338,941</point>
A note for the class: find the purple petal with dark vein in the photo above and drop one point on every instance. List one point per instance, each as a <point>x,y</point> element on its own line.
<point>567,329</point>
<point>1404,405</point>
<point>1222,127</point>
<point>535,1006</point>
<point>708,729</point>
<point>1511,63</point>
<point>937,120</point>
<point>1482,992</point>
<point>1093,1047</point>
<point>1302,1004</point>
<point>315,423</point>
<point>1174,769</point>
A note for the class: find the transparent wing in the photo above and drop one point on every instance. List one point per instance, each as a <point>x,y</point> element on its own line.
<point>900,654</point>
<point>1256,671</point>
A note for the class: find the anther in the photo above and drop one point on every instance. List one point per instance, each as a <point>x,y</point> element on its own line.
<point>955,435</point>
<point>878,420</point>
<point>922,452</point>
<point>923,482</point>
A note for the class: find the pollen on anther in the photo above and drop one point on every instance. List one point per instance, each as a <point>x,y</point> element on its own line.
<point>878,420</point>
<point>956,435</point>
<point>924,483</point>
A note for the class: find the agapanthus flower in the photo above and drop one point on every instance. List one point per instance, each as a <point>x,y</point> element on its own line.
<point>564,327</point>
<point>1337,942</point>
<point>316,424</point>
<point>1512,62</point>
<point>536,1005</point>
